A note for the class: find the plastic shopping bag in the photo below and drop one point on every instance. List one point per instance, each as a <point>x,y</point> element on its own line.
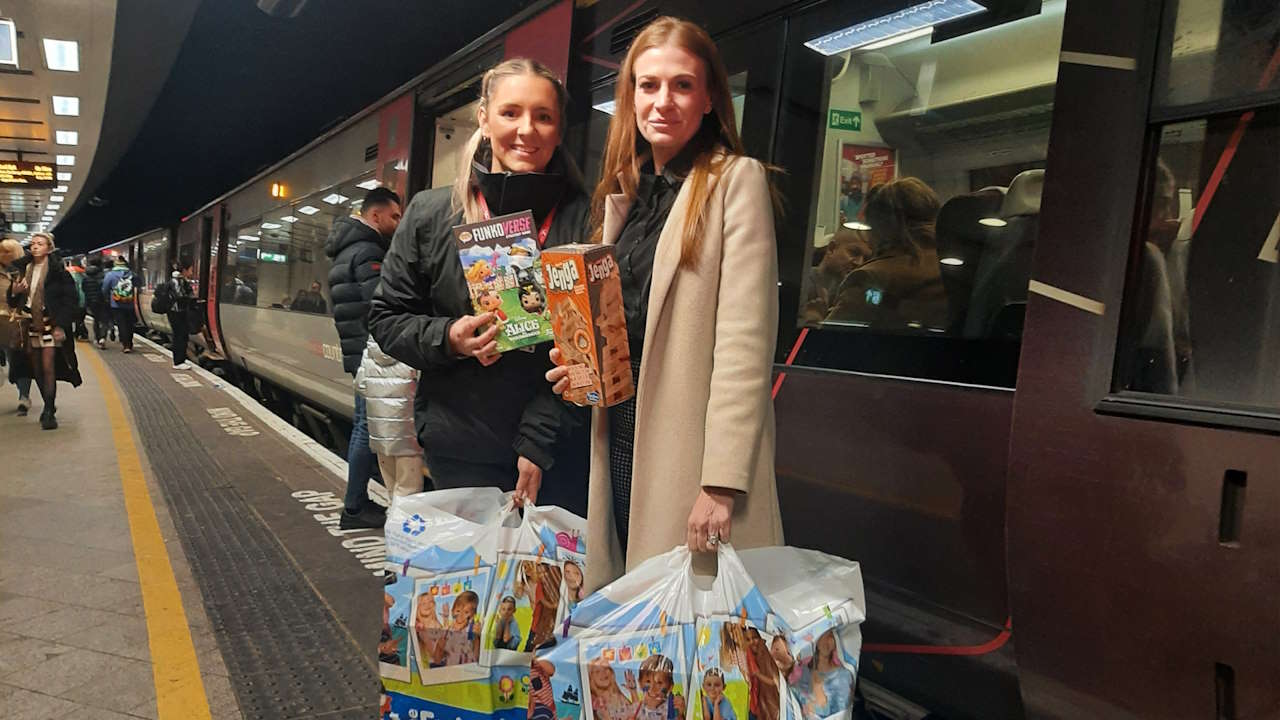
<point>657,644</point>
<point>466,577</point>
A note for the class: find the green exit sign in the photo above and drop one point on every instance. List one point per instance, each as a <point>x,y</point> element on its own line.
<point>845,120</point>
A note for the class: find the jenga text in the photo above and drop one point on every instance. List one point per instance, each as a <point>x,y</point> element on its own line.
<point>601,269</point>
<point>563,275</point>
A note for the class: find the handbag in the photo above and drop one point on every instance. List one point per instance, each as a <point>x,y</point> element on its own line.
<point>15,327</point>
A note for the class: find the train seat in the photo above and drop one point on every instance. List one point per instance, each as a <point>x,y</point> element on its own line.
<point>1000,283</point>
<point>962,242</point>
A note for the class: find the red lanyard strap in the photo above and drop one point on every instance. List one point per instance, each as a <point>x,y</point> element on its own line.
<point>542,231</point>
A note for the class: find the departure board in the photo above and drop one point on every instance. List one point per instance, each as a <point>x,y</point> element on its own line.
<point>27,174</point>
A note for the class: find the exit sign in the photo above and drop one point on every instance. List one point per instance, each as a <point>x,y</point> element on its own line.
<point>845,120</point>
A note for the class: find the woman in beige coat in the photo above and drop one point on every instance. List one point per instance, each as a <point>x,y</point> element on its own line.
<point>689,460</point>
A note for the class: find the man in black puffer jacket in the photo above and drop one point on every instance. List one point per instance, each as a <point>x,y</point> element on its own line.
<point>95,302</point>
<point>356,246</point>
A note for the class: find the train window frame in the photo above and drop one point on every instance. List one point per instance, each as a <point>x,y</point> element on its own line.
<point>276,215</point>
<point>909,354</point>
<point>1160,406</point>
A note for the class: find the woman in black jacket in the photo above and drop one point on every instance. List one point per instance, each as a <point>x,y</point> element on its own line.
<point>48,292</point>
<point>485,419</point>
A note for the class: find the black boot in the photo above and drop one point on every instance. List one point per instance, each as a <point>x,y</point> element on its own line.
<point>47,419</point>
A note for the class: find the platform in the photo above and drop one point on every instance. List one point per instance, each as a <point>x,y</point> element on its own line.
<point>172,551</point>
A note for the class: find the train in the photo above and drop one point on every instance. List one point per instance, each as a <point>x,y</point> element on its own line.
<point>1043,473</point>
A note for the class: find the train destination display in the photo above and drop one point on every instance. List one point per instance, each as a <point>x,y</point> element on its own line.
<point>27,174</point>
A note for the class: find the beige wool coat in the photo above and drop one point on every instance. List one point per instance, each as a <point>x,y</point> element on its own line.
<point>704,415</point>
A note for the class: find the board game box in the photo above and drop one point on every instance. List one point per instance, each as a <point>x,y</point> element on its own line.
<point>584,297</point>
<point>503,269</point>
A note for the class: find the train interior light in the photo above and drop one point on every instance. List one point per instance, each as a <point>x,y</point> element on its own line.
<point>894,26</point>
<point>308,210</point>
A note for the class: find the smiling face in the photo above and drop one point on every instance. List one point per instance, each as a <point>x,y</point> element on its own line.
<point>657,686</point>
<point>507,608</point>
<point>671,98</point>
<point>600,675</point>
<point>464,610</point>
<point>522,122</point>
<point>426,607</point>
<point>572,575</point>
<point>713,686</point>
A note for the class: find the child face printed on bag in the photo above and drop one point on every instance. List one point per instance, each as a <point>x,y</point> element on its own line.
<point>573,581</point>
<point>781,653</point>
<point>655,680</point>
<point>507,608</point>
<point>713,685</point>
<point>464,610</point>
<point>426,619</point>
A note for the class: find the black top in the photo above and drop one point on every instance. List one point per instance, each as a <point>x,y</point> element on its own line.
<point>638,241</point>
<point>465,411</point>
<point>355,251</point>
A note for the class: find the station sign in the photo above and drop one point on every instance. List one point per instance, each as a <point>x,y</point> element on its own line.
<point>845,120</point>
<point>273,257</point>
<point>27,174</point>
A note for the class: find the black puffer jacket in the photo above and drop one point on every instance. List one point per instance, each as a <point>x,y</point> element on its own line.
<point>465,411</point>
<point>91,285</point>
<point>356,251</point>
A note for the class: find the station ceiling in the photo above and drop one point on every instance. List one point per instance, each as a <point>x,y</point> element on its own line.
<point>247,88</point>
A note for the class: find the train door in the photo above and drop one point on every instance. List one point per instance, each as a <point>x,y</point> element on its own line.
<point>1144,486</point>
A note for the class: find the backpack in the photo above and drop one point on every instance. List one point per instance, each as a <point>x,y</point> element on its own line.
<point>123,290</point>
<point>162,301</point>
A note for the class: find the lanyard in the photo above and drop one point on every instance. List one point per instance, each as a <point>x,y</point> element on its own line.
<point>542,231</point>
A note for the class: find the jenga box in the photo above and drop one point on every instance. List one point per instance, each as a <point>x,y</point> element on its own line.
<point>584,296</point>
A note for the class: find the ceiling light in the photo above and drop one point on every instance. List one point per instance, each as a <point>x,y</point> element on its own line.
<point>66,105</point>
<point>369,184</point>
<point>62,55</point>
<point>53,206</point>
<point>289,219</point>
<point>922,32</point>
<point>55,198</point>
<point>60,189</point>
<point>894,25</point>
<point>270,226</point>
<point>66,160</point>
<point>334,199</point>
<point>855,225</point>
<point>992,222</point>
<point>249,238</point>
<point>66,137</point>
<point>953,261</point>
<point>606,107</point>
<point>64,177</point>
<point>308,210</point>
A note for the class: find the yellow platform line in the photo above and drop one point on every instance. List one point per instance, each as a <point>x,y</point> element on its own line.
<point>174,668</point>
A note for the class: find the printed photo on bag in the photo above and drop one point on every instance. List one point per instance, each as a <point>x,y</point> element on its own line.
<point>634,676</point>
<point>574,565</point>
<point>818,673</point>
<point>397,607</point>
<point>735,677</point>
<point>446,614</point>
<point>524,608</point>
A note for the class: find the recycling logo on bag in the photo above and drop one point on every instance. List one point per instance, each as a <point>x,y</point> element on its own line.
<point>414,526</point>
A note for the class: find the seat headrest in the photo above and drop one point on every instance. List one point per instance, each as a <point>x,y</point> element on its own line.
<point>959,216</point>
<point>1024,194</point>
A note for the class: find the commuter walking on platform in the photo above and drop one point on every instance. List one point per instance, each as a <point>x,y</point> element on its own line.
<point>388,387</point>
<point>182,314</point>
<point>356,246</point>
<point>77,276</point>
<point>690,217</point>
<point>485,419</point>
<point>95,301</point>
<point>118,287</point>
<point>19,367</point>
<point>48,294</point>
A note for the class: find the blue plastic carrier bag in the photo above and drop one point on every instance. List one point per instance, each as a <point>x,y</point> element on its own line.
<point>473,588</point>
<point>663,644</point>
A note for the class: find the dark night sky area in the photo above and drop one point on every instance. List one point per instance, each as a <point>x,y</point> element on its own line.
<point>247,89</point>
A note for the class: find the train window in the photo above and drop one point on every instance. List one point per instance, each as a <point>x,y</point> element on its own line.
<point>1203,299</point>
<point>1213,50</point>
<point>279,261</point>
<point>925,196</point>
<point>155,251</point>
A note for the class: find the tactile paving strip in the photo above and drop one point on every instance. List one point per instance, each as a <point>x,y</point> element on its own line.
<point>285,653</point>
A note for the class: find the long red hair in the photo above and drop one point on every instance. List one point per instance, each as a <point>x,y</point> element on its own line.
<point>718,134</point>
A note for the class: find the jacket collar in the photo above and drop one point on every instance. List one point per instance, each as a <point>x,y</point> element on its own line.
<point>508,192</point>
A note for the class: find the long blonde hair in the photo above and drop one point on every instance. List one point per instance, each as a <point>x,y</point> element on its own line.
<point>463,198</point>
<point>621,173</point>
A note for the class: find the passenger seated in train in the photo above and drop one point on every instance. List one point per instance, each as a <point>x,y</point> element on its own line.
<point>900,286</point>
<point>311,300</point>
<point>844,252</point>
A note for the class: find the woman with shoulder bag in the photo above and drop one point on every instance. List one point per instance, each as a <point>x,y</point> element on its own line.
<point>690,457</point>
<point>485,419</point>
<point>48,293</point>
<point>14,333</point>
